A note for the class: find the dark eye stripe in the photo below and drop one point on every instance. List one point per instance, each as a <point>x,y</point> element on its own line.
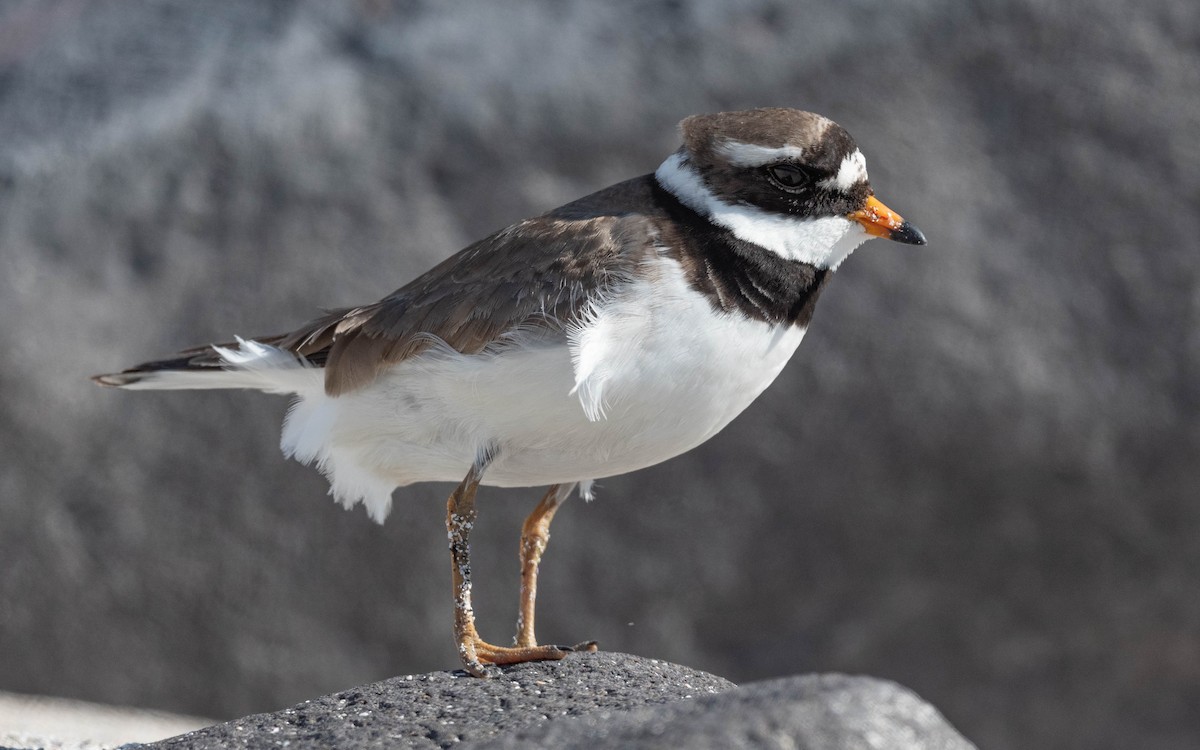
<point>788,177</point>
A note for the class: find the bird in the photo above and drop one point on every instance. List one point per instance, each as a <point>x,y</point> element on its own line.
<point>604,336</point>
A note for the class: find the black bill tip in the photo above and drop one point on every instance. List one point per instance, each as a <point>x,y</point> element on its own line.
<point>908,234</point>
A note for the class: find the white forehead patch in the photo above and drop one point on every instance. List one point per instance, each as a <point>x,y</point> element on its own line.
<point>823,242</point>
<point>851,171</point>
<point>742,154</point>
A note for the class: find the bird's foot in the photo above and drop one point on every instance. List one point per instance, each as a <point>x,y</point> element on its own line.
<point>481,658</point>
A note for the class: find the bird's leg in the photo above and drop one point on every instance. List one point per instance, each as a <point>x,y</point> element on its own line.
<point>535,534</point>
<point>475,653</point>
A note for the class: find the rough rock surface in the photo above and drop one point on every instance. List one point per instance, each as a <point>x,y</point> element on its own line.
<point>602,700</point>
<point>814,712</point>
<point>440,709</point>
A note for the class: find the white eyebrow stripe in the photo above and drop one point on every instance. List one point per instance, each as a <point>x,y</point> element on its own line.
<point>742,154</point>
<point>851,171</point>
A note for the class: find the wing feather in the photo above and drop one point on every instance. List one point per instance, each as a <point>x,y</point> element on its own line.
<point>540,272</point>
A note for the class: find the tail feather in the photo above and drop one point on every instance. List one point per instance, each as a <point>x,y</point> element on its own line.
<point>244,364</point>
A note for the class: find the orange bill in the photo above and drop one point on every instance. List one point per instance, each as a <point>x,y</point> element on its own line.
<point>881,221</point>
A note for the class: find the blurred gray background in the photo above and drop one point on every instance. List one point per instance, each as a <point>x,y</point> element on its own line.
<point>979,477</point>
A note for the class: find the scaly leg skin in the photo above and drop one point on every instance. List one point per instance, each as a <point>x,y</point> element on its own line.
<point>476,654</point>
<point>535,535</point>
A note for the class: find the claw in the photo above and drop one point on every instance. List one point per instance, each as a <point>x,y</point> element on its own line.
<point>481,670</point>
<point>480,658</point>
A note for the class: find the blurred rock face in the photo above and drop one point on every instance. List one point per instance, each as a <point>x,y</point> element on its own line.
<point>978,477</point>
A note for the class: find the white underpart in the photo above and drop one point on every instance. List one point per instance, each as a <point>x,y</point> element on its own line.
<point>823,242</point>
<point>652,372</point>
<point>753,155</point>
<point>851,171</point>
<point>597,345</point>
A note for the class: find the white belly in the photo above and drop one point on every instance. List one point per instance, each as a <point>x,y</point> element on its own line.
<point>651,375</point>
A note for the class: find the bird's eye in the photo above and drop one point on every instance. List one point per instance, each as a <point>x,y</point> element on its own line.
<point>787,176</point>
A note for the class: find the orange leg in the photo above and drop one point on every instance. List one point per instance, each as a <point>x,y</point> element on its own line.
<point>535,534</point>
<point>476,654</point>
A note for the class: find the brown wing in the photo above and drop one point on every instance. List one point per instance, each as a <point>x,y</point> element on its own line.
<point>538,272</point>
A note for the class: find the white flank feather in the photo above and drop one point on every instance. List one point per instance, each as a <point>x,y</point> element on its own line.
<point>608,334</point>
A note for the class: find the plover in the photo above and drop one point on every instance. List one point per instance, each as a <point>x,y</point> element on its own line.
<point>604,336</point>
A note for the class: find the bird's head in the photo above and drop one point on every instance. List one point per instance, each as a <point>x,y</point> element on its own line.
<point>793,182</point>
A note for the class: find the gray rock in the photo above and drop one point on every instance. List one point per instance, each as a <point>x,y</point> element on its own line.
<point>602,700</point>
<point>441,709</point>
<point>816,712</point>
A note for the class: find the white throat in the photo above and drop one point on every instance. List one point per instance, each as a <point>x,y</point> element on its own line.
<point>823,242</point>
